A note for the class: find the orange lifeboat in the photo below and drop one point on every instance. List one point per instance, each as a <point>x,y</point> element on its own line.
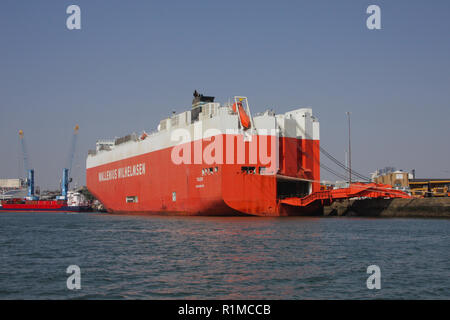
<point>143,135</point>
<point>245,119</point>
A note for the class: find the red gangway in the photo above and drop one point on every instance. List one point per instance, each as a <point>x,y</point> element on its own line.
<point>355,190</point>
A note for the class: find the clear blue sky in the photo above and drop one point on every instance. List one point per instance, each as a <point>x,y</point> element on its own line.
<point>133,62</point>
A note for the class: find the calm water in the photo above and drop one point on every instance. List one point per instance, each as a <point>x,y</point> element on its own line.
<point>221,258</point>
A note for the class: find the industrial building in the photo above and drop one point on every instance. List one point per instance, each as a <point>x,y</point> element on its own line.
<point>8,184</point>
<point>400,179</point>
<point>397,178</point>
<point>11,188</point>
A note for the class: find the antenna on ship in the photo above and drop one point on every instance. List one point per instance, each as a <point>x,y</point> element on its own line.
<point>349,152</point>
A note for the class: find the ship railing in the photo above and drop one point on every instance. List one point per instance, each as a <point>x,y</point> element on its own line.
<point>130,137</point>
<point>229,106</point>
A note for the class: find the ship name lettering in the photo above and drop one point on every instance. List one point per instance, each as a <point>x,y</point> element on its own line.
<point>123,172</point>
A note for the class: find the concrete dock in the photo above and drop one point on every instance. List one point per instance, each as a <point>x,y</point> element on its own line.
<point>438,207</point>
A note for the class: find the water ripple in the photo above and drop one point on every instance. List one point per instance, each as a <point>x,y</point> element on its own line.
<point>135,257</point>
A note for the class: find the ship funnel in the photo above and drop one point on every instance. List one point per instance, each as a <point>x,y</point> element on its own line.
<point>200,98</point>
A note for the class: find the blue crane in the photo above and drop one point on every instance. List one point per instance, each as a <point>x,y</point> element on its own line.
<point>67,171</point>
<point>28,171</point>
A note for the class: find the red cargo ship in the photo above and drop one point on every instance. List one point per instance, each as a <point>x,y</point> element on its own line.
<point>75,203</point>
<point>215,160</point>
<point>19,205</point>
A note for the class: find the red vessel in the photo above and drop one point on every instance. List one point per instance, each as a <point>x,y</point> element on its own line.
<point>67,201</point>
<point>19,205</point>
<point>214,160</point>
<point>75,202</point>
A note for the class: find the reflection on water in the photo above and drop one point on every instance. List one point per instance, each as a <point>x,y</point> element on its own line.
<point>221,258</point>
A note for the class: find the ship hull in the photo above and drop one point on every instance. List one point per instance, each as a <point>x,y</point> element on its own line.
<point>152,184</point>
<point>62,209</point>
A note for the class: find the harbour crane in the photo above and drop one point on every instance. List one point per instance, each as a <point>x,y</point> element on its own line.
<point>28,171</point>
<point>72,146</point>
<point>67,171</point>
